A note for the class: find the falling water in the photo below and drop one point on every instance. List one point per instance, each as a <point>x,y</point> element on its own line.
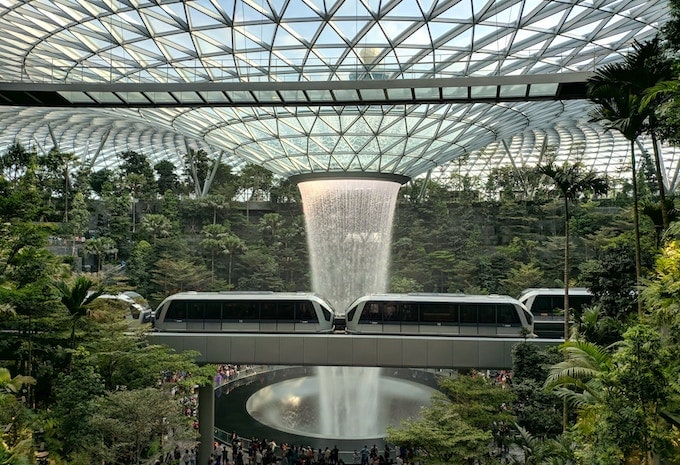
<point>349,235</point>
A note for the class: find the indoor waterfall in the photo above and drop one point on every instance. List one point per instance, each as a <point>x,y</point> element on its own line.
<point>349,236</point>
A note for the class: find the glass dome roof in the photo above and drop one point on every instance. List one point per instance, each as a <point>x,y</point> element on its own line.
<point>309,50</point>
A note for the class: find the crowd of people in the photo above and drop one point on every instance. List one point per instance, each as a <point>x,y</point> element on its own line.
<point>256,451</point>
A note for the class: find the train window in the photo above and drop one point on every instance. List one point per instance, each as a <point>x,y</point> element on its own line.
<point>285,311</point>
<point>213,310</point>
<point>177,310</point>
<point>468,313</point>
<point>390,311</point>
<point>487,314</point>
<point>326,313</point>
<point>195,311</point>
<point>439,312</point>
<point>407,312</point>
<point>507,314</point>
<point>305,311</point>
<point>547,305</point>
<point>241,310</point>
<point>577,302</point>
<point>268,311</point>
<point>371,312</point>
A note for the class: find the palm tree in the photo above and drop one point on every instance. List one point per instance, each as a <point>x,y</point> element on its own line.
<point>9,385</point>
<point>76,299</point>
<point>100,247</point>
<point>578,378</point>
<point>640,74</point>
<point>157,225</point>
<point>231,244</point>
<point>620,106</point>
<point>572,182</point>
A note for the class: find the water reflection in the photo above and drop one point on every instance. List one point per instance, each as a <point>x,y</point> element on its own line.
<point>293,406</point>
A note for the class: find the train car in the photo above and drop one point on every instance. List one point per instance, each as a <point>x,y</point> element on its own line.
<point>439,314</point>
<point>262,312</point>
<point>546,305</point>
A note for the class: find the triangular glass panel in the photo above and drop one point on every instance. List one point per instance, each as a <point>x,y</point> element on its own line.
<point>328,36</point>
<point>262,33</point>
<point>354,8</point>
<point>426,6</point>
<point>374,35</point>
<point>299,9</point>
<point>357,142</point>
<point>420,37</point>
<point>507,17</point>
<point>284,38</point>
<point>459,11</point>
<point>198,18</point>
<point>158,23</point>
<point>346,29</point>
<point>342,147</point>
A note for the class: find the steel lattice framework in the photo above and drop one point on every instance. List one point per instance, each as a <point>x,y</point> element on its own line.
<point>375,125</point>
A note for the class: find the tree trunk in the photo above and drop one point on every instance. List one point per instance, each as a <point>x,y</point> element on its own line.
<point>565,407</point>
<point>659,180</point>
<point>636,220</point>
<point>566,268</point>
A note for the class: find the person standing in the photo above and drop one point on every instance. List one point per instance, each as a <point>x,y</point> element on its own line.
<point>365,453</point>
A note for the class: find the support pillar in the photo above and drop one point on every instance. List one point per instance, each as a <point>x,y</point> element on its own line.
<point>206,423</point>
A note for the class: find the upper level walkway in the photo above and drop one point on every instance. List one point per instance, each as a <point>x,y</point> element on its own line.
<point>471,89</point>
<point>347,350</point>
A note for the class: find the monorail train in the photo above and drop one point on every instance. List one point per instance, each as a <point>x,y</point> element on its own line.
<point>439,314</point>
<point>264,312</point>
<point>546,304</point>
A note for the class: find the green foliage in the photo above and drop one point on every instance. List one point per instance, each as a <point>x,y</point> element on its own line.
<point>168,181</point>
<point>16,440</point>
<point>73,393</point>
<point>460,423</point>
<point>441,436</point>
<point>611,279</point>
<point>171,276</point>
<point>127,421</point>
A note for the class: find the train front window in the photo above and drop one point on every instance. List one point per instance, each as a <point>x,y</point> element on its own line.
<point>507,315</point>
<point>577,302</point>
<point>305,312</point>
<point>177,310</point>
<point>546,305</point>
<point>371,312</point>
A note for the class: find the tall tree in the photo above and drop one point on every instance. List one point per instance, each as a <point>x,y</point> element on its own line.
<point>572,182</point>
<point>79,219</point>
<point>619,104</point>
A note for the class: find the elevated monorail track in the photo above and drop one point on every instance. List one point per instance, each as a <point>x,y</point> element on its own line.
<point>339,349</point>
